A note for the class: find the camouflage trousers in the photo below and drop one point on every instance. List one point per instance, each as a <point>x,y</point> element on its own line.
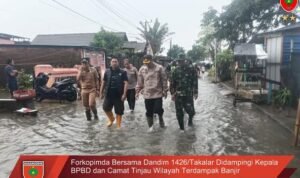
<point>184,103</point>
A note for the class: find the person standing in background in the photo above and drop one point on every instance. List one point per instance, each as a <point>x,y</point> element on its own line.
<point>132,74</point>
<point>11,76</point>
<point>203,71</point>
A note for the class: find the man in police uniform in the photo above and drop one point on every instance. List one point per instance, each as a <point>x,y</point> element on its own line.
<point>184,89</point>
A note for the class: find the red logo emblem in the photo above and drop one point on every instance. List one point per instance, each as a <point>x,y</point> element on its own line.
<point>289,5</point>
<point>33,169</point>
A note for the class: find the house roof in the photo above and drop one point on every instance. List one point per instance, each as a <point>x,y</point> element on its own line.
<point>138,47</point>
<point>283,29</point>
<point>76,39</point>
<point>249,49</point>
<point>48,46</point>
<point>8,36</point>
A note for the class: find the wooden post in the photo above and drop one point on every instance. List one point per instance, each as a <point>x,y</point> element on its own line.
<point>270,93</point>
<point>297,127</point>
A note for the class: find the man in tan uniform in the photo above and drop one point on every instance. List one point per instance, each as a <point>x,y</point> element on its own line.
<point>89,82</point>
<point>152,79</point>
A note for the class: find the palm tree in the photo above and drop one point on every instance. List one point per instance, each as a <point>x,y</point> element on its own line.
<point>155,35</point>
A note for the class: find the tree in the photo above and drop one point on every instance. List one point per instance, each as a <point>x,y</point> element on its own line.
<point>155,35</point>
<point>224,65</point>
<point>109,41</point>
<point>175,51</point>
<point>241,19</point>
<point>208,38</point>
<point>197,53</point>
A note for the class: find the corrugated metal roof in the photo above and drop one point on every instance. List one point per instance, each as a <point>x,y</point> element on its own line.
<point>8,36</point>
<point>283,29</point>
<point>78,39</point>
<point>138,47</point>
<point>248,49</point>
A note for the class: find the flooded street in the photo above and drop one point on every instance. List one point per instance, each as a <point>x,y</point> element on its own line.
<point>220,129</point>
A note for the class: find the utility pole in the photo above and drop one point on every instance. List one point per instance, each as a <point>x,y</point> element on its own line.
<point>146,31</point>
<point>215,56</point>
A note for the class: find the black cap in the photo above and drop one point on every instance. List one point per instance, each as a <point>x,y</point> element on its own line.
<point>85,60</point>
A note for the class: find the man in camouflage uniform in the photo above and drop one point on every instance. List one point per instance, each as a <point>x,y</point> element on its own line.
<point>184,89</point>
<point>170,68</point>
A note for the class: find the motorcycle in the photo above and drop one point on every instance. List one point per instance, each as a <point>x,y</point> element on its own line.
<point>62,90</point>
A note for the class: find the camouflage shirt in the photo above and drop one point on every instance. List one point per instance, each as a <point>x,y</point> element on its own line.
<point>184,81</point>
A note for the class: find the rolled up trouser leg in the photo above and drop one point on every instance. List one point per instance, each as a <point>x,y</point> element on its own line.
<point>107,107</point>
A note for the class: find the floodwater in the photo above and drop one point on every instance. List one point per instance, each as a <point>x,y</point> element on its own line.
<point>220,129</point>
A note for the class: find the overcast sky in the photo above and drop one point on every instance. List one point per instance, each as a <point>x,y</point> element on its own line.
<point>31,17</point>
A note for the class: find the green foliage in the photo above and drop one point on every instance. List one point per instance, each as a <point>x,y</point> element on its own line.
<point>282,97</point>
<point>109,41</point>
<point>155,35</point>
<point>207,36</point>
<point>224,65</point>
<point>197,53</point>
<point>241,19</point>
<point>25,80</point>
<point>175,51</point>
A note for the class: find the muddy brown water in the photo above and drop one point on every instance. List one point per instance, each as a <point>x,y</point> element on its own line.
<point>220,129</point>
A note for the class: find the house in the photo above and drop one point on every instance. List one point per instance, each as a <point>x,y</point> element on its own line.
<point>27,56</point>
<point>136,51</point>
<point>86,39</point>
<point>12,39</point>
<point>283,48</point>
<point>61,50</point>
<point>76,39</point>
<point>134,46</point>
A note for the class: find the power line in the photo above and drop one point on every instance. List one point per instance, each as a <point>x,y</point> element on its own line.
<point>83,16</point>
<point>134,9</point>
<point>89,19</point>
<point>113,11</point>
<point>126,10</point>
<point>97,6</point>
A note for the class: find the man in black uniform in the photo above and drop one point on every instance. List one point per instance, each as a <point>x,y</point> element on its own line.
<point>113,90</point>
